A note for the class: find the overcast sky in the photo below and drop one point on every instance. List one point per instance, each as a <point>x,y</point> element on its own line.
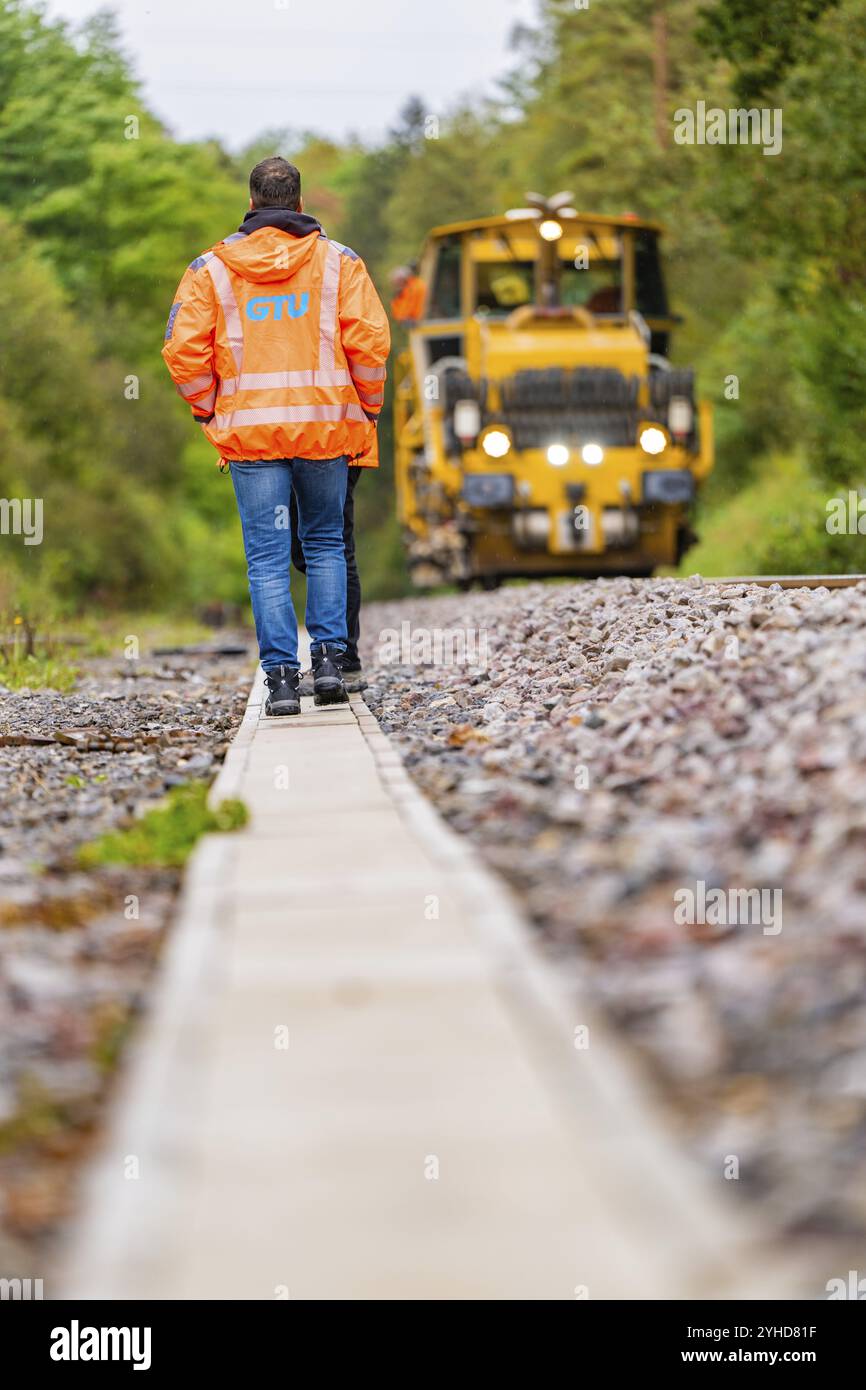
<point>233,68</point>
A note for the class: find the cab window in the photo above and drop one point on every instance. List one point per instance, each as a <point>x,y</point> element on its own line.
<point>652,300</point>
<point>598,287</point>
<point>445,292</point>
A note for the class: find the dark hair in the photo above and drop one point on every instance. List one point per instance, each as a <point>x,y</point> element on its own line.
<point>275,183</point>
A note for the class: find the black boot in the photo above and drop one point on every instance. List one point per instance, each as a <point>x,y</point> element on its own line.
<point>353,675</point>
<point>328,687</point>
<point>282,683</point>
<point>353,678</point>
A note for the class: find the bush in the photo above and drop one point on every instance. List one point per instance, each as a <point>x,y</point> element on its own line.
<point>775,525</point>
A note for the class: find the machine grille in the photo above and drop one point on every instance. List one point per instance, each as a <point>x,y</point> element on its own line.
<point>573,407</point>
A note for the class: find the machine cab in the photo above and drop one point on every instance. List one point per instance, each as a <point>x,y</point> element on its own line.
<point>609,267</point>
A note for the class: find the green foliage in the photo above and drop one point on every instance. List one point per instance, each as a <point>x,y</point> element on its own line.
<point>99,634</point>
<point>746,373</point>
<point>776,524</point>
<point>166,836</point>
<point>462,168</point>
<point>762,42</point>
<point>805,220</point>
<point>102,210</point>
<point>37,672</point>
<point>115,201</point>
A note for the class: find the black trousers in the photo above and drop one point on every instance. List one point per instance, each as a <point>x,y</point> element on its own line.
<point>353,579</point>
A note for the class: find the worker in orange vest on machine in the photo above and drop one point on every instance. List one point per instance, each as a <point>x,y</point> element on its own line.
<point>407,306</point>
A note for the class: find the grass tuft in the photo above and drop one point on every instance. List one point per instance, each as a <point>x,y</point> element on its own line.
<point>37,673</point>
<point>166,836</point>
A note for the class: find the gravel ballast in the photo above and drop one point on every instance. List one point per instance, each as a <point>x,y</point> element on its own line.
<point>631,755</point>
<point>619,750</point>
<point>78,948</point>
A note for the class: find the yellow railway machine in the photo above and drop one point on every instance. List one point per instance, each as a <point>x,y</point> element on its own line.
<point>540,428</point>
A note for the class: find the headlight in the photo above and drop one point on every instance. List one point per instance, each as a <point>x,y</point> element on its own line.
<point>652,439</point>
<point>550,229</point>
<point>681,417</point>
<point>495,443</point>
<point>558,455</point>
<point>592,454</point>
<point>467,420</point>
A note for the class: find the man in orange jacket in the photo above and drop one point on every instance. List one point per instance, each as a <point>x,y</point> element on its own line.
<point>278,342</point>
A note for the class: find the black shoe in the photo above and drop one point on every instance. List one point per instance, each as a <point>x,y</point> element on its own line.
<point>282,683</point>
<point>328,687</point>
<point>353,676</point>
<point>353,679</point>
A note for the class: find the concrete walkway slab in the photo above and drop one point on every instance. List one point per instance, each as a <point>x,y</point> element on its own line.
<point>360,1079</point>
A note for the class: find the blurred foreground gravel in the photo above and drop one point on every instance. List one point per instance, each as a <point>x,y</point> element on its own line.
<point>631,739</point>
<point>77,949</point>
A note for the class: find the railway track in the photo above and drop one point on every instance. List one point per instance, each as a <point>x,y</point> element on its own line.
<point>794,581</point>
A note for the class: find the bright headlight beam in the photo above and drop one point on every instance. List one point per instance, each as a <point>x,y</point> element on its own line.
<point>592,454</point>
<point>496,444</point>
<point>652,440</point>
<point>557,454</point>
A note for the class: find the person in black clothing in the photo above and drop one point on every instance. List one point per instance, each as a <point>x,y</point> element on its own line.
<point>350,662</point>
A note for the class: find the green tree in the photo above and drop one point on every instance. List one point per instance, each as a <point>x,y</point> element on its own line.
<point>761,42</point>
<point>119,206</point>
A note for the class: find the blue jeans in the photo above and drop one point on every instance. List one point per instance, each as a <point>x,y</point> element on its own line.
<point>263,491</point>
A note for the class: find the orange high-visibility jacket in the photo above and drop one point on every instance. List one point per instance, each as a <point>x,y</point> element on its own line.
<point>408,305</point>
<point>278,341</point>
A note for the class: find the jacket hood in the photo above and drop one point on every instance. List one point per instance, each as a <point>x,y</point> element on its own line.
<point>295,223</point>
<point>276,242</point>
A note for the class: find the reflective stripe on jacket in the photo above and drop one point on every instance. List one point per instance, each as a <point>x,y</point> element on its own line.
<point>278,342</point>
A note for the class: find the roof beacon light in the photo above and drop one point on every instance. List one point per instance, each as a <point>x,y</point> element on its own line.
<point>550,229</point>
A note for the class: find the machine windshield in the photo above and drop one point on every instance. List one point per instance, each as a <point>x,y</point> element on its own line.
<point>591,274</point>
<point>598,287</point>
<point>505,285</point>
